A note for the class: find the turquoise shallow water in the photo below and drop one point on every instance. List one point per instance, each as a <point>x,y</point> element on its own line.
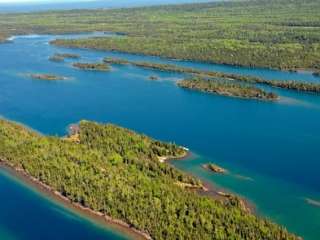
<point>270,149</point>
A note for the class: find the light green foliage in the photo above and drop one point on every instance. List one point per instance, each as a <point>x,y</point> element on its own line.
<point>116,171</point>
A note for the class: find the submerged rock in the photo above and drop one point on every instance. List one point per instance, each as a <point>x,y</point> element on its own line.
<point>153,77</point>
<point>312,202</point>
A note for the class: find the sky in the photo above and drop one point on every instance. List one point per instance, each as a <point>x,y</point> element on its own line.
<point>41,1</point>
<point>44,5</point>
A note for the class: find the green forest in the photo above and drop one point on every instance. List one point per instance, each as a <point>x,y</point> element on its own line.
<point>285,84</point>
<point>281,34</point>
<point>117,172</point>
<point>92,66</point>
<point>227,88</point>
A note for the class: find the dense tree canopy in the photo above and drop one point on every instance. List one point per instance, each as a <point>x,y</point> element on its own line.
<point>281,34</point>
<point>117,172</point>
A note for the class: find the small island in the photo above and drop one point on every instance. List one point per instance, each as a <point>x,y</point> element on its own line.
<point>60,57</point>
<point>119,61</point>
<point>92,66</point>
<point>153,66</point>
<point>316,73</point>
<point>49,77</point>
<point>227,88</point>
<point>214,168</point>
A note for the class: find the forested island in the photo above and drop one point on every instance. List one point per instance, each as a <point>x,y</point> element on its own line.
<point>49,77</point>
<point>230,32</point>
<point>92,66</point>
<point>227,88</point>
<point>60,57</point>
<point>148,195</point>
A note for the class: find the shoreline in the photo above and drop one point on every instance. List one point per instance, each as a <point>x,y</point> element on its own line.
<point>96,217</point>
<point>8,39</point>
<point>288,70</point>
<point>105,221</point>
<point>210,190</point>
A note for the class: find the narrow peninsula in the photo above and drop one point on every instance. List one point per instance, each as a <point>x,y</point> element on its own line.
<point>289,84</point>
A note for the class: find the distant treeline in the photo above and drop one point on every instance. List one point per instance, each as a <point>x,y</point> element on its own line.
<point>281,34</point>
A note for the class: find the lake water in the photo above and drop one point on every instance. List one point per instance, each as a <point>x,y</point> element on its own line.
<point>270,148</point>
<point>26,214</point>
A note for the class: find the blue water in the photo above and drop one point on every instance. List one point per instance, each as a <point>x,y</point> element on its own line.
<point>271,149</point>
<point>25,214</point>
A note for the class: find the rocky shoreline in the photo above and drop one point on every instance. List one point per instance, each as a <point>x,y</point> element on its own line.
<point>205,189</point>
<point>210,190</point>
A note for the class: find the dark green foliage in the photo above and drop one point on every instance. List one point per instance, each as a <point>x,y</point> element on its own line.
<point>68,55</point>
<point>116,171</point>
<point>60,57</point>
<point>92,66</point>
<point>293,85</point>
<point>282,34</point>
<point>227,88</point>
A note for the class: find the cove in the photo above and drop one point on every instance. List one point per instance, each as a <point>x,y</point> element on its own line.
<point>270,149</point>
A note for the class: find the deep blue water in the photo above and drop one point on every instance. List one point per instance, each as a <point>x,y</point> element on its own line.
<point>24,214</point>
<point>271,149</point>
